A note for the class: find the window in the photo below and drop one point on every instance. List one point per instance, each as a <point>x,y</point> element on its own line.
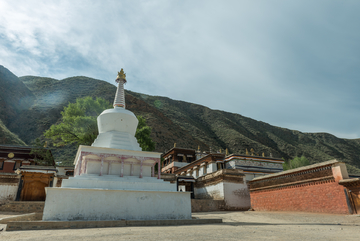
<point>189,159</point>
<point>69,173</point>
<point>17,165</point>
<point>1,165</point>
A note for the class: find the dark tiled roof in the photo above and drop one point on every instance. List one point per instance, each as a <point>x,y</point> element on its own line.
<point>299,169</point>
<point>249,156</point>
<point>36,167</point>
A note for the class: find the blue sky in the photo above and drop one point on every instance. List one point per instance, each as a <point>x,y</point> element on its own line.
<point>293,64</point>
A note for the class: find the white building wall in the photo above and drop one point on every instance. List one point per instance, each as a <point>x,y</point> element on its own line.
<point>192,173</point>
<point>195,173</point>
<point>211,167</point>
<point>202,171</point>
<point>215,192</point>
<point>54,182</point>
<point>61,171</point>
<point>8,192</point>
<point>237,195</point>
<point>205,169</point>
<point>64,204</point>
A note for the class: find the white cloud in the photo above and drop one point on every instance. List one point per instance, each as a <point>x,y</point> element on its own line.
<point>274,61</point>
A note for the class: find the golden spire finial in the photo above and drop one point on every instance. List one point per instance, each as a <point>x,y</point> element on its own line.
<point>252,151</point>
<point>247,152</point>
<point>226,152</point>
<point>175,144</point>
<point>263,154</point>
<point>121,76</point>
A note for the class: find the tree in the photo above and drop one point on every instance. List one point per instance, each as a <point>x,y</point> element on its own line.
<point>79,126</point>
<point>296,162</point>
<point>143,135</point>
<point>42,154</point>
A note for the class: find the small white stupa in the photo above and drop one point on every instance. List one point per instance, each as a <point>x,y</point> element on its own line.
<point>114,179</point>
<point>117,126</point>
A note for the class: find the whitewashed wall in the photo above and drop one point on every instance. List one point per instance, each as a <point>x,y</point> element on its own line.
<point>237,195</point>
<point>211,167</point>
<point>215,192</point>
<point>64,204</point>
<point>8,192</point>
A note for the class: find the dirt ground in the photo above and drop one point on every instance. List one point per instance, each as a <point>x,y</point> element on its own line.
<point>236,226</point>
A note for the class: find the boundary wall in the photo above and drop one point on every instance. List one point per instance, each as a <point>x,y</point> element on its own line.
<point>313,188</point>
<point>225,189</point>
<point>9,184</point>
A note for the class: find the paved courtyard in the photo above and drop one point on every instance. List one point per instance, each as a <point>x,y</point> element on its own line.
<point>236,226</point>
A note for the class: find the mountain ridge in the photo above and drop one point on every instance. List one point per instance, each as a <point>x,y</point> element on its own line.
<point>172,121</point>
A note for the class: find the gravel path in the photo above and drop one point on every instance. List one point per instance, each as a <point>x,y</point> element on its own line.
<point>236,226</point>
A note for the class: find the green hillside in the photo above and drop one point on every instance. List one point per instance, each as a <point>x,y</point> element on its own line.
<point>9,138</point>
<point>220,129</point>
<point>15,97</point>
<point>189,125</point>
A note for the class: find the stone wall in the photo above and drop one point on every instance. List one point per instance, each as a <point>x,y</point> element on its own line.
<point>9,184</point>
<point>207,205</point>
<point>313,188</point>
<point>23,217</point>
<point>23,207</point>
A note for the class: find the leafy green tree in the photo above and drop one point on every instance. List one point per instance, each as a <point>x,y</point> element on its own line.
<point>79,125</point>
<point>42,154</point>
<point>143,135</point>
<point>295,163</point>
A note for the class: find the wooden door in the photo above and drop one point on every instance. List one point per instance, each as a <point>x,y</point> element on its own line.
<point>355,195</point>
<point>34,186</point>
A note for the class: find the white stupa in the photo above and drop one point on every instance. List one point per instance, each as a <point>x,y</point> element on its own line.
<point>114,179</point>
<point>117,126</point>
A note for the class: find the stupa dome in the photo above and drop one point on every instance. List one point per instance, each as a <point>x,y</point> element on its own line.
<point>117,126</point>
<point>117,119</point>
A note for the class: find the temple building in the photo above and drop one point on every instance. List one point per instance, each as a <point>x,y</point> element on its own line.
<point>13,157</point>
<point>220,180</point>
<point>182,161</point>
<point>177,158</point>
<point>206,164</point>
<point>114,179</point>
<point>21,178</point>
<point>254,166</point>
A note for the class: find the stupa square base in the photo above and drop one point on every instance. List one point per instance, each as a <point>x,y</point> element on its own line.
<point>70,204</point>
